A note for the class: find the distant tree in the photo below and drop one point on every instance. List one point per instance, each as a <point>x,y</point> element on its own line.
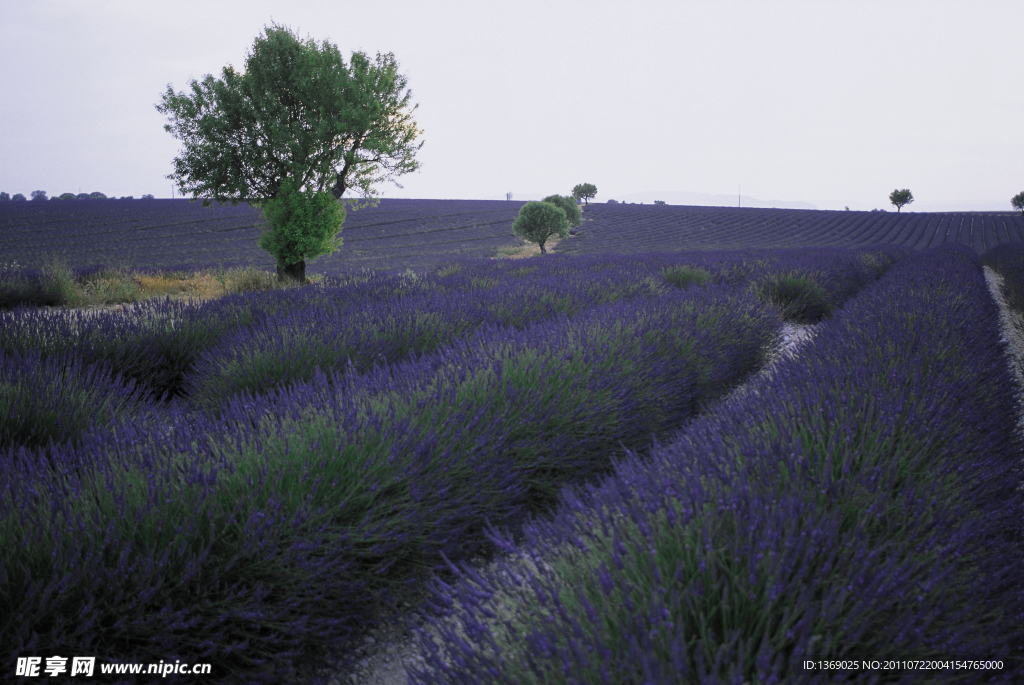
<point>584,191</point>
<point>658,202</point>
<point>18,197</point>
<point>66,196</point>
<point>148,197</point>
<point>39,195</point>
<point>4,197</point>
<point>613,202</point>
<point>303,225</point>
<point>1018,201</point>
<point>538,221</point>
<point>567,205</point>
<point>847,208</point>
<point>82,196</point>
<point>127,197</point>
<point>97,196</point>
<point>900,198</point>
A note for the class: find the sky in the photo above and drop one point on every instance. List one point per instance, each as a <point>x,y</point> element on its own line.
<point>807,104</point>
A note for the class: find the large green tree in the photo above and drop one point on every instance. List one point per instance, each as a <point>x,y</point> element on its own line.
<point>538,221</point>
<point>296,111</point>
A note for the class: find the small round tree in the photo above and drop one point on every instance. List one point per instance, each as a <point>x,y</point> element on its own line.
<point>1018,202</point>
<point>584,191</point>
<point>900,198</point>
<point>303,225</point>
<point>538,221</point>
<point>567,205</point>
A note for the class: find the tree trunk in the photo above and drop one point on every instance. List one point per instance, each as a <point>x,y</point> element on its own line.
<point>542,250</point>
<point>296,271</point>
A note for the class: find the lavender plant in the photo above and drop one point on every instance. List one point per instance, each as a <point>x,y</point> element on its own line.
<point>862,504</point>
<point>259,537</point>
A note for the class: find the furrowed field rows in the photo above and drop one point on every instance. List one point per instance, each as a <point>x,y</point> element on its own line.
<point>395,236</point>
<point>863,498</point>
<point>657,228</point>
<point>282,468</point>
<point>420,235</point>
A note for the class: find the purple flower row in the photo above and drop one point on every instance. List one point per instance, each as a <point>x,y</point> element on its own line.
<point>862,503</point>
<point>310,504</point>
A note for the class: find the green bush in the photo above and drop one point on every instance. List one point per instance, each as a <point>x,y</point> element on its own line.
<point>538,221</point>
<point>567,205</point>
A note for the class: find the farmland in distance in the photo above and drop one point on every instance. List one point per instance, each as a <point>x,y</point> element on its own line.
<point>421,235</point>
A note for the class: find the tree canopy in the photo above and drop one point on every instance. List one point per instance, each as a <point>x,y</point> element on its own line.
<point>900,198</point>
<point>295,111</point>
<point>584,191</point>
<point>1018,201</point>
<point>538,221</point>
<point>567,205</point>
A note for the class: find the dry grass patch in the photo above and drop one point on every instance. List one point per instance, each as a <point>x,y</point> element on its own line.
<point>525,250</point>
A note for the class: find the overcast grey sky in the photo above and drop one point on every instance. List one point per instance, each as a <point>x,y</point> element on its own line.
<point>833,103</point>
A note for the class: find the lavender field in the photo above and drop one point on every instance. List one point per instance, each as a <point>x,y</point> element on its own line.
<point>178,234</point>
<point>419,235</point>
<point>254,481</point>
<point>664,228</point>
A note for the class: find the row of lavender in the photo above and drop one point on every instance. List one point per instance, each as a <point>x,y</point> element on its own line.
<point>314,502</point>
<point>423,234</point>
<point>643,228</point>
<point>182,235</point>
<point>864,503</point>
<point>1008,262</point>
<point>254,342</point>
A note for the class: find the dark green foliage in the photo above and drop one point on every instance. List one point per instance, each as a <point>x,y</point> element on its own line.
<point>5,197</point>
<point>301,225</point>
<point>295,111</point>
<point>538,221</point>
<point>66,196</point>
<point>799,298</point>
<point>39,195</point>
<point>1018,201</point>
<point>567,205</point>
<point>18,197</point>
<point>900,197</point>
<point>685,276</point>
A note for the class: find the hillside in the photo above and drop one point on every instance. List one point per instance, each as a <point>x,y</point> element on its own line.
<point>421,235</point>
